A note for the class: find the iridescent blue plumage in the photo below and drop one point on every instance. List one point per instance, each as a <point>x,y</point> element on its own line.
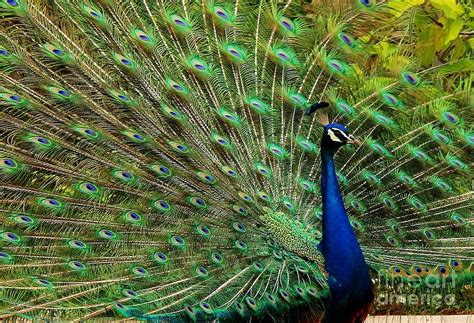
<point>159,160</point>
<point>349,281</point>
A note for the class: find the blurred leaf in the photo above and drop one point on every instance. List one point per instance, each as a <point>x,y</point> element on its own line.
<point>471,42</point>
<point>460,47</point>
<point>463,65</point>
<point>400,6</point>
<point>451,29</point>
<point>449,8</point>
<point>429,40</point>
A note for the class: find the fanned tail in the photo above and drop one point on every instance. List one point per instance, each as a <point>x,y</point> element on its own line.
<point>156,161</point>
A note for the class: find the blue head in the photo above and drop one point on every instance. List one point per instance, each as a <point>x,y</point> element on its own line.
<point>335,136</point>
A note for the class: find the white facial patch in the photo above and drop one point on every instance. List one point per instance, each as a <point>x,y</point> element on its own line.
<point>337,135</point>
<point>333,136</point>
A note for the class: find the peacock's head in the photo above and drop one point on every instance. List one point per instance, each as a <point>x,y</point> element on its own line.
<point>335,136</point>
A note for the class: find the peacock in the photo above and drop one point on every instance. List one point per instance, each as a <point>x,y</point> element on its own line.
<point>233,160</point>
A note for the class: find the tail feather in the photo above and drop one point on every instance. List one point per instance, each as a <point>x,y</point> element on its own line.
<point>156,162</point>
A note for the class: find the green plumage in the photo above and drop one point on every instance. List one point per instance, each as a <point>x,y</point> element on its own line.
<point>156,163</point>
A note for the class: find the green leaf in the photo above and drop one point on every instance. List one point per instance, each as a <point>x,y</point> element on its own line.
<point>451,29</point>
<point>471,42</point>
<point>450,8</point>
<point>400,6</point>
<point>460,66</point>
<point>427,44</point>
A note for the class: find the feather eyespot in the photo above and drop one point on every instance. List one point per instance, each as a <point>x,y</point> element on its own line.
<point>391,100</point>
<point>312,291</point>
<point>251,302</point>
<point>221,13</point>
<point>456,163</point>
<point>161,171</point>
<point>123,175</point>
<point>179,147</point>
<point>50,203</point>
<point>451,118</point>
<point>179,23</point>
<point>270,298</point>
<point>206,178</point>
<point>258,266</point>
<point>10,237</point>
<point>77,244</point>
<point>287,24</point>
<point>203,230</point>
<point>88,188</point>
<point>76,265</point>
<point>240,308</point>
<point>458,219</point>
<point>197,202</point>
<point>229,171</point>
<point>367,3</point>
<point>161,205</point>
<point>43,282</point>
<point>58,52</point>
<point>240,209</point>
<point>264,196</point>
<point>177,241</point>
<point>345,108</point>
<point>278,151</point>
<point>40,141</point>
<point>23,219</point>
<point>429,234</point>
<point>410,78</point>
<point>160,257</point>
<point>300,291</point>
<point>241,245</point>
<point>217,258</point>
<point>257,105</point>
<point>129,293</point>
<point>7,162</point>
<point>284,294</point>
<point>263,170</point>
<point>336,66</point>
<point>144,38</point>
<point>140,271</point>
<point>247,198</point>
<point>392,241</point>
<point>206,307</point>
<point>202,271</point>
<point>132,216</point>
<point>5,257</point>
<point>95,14</point>
<point>239,227</point>
<point>107,234</point>
<point>346,39</point>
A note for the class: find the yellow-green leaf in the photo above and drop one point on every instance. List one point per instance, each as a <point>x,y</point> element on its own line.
<point>398,7</point>
<point>471,42</point>
<point>451,30</point>
<point>450,8</point>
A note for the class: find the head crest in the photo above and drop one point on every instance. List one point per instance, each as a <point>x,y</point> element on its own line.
<point>321,117</point>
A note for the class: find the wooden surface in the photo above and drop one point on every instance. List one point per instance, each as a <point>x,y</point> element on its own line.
<point>421,319</point>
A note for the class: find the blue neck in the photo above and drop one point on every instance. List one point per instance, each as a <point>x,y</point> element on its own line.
<point>349,280</point>
<point>339,245</point>
<point>337,230</point>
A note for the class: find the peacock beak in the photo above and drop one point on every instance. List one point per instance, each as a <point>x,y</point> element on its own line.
<point>354,141</point>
